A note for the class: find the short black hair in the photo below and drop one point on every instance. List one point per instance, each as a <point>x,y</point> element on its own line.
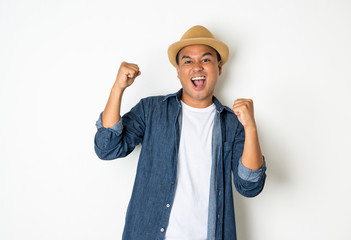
<point>218,57</point>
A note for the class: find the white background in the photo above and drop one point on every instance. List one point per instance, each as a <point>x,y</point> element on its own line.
<point>59,59</point>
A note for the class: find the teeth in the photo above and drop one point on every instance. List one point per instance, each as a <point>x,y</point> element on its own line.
<point>198,78</point>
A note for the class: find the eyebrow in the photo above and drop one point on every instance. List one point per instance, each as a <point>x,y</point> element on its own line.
<point>203,55</point>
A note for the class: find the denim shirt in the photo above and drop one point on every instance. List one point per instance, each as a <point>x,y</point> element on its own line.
<point>155,123</point>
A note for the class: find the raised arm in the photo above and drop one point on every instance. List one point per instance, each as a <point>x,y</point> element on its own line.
<point>252,156</point>
<point>126,75</point>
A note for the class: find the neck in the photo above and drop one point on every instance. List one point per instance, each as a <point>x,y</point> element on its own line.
<point>197,103</point>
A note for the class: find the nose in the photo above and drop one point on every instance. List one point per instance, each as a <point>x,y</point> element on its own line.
<point>198,66</point>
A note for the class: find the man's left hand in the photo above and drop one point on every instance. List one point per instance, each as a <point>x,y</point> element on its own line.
<point>244,110</point>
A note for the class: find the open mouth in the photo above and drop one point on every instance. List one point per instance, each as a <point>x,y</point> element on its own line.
<point>198,81</point>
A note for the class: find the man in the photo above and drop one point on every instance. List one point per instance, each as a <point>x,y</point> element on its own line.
<point>191,145</point>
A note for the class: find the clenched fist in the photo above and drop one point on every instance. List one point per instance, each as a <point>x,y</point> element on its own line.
<point>126,75</point>
<point>243,109</point>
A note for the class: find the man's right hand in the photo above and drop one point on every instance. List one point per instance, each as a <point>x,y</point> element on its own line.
<point>126,75</point>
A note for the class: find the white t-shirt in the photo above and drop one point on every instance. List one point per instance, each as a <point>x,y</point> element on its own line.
<point>189,215</point>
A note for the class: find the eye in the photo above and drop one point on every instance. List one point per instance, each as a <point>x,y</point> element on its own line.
<point>206,60</point>
<point>187,62</point>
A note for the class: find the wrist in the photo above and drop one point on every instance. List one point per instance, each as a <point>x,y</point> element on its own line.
<point>250,128</point>
<point>117,89</point>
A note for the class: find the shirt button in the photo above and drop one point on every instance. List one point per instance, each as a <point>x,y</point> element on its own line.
<point>172,183</point>
<point>162,229</point>
<point>168,205</point>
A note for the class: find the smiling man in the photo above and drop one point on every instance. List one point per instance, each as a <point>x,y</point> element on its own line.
<point>200,65</point>
<point>193,147</point>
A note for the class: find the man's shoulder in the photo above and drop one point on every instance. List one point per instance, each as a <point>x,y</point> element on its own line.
<point>159,99</point>
<point>158,103</point>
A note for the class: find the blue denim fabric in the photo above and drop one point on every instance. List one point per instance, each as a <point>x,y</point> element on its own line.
<point>155,122</point>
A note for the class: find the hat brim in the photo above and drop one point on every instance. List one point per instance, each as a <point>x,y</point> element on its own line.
<point>219,46</point>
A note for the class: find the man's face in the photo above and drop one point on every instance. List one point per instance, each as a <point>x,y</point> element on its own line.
<point>198,71</point>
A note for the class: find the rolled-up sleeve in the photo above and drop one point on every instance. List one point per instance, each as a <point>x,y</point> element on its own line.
<point>251,175</point>
<point>118,127</point>
<point>120,139</point>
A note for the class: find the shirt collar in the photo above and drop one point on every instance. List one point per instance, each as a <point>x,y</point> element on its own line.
<point>218,104</point>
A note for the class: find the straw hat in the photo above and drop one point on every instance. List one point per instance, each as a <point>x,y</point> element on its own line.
<point>198,35</point>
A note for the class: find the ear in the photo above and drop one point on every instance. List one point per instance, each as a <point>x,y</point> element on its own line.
<point>220,68</point>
